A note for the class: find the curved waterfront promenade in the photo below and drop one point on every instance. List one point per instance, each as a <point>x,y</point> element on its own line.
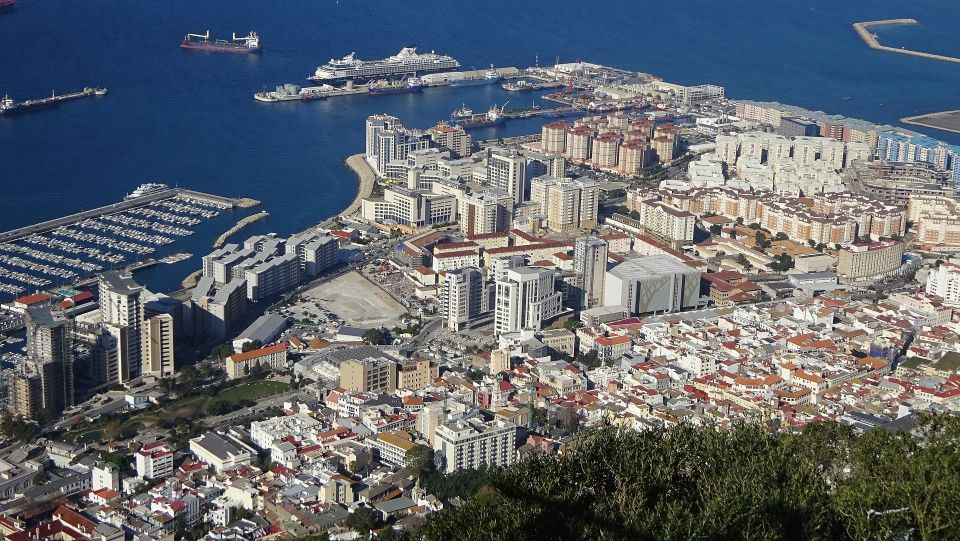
<point>358,164</point>
<point>863,29</point>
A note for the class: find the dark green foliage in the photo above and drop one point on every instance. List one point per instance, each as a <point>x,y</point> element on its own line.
<point>363,520</point>
<point>572,324</point>
<point>460,483</point>
<point>590,359</point>
<point>377,337</point>
<point>18,429</point>
<point>824,483</point>
<point>221,407</point>
<point>251,345</point>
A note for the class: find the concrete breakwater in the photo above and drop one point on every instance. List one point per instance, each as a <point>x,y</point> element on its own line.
<point>358,164</point>
<point>863,29</point>
<point>238,226</point>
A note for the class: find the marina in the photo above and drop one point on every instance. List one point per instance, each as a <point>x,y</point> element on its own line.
<point>72,249</point>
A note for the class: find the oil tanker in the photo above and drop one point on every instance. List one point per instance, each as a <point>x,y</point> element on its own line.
<point>239,44</point>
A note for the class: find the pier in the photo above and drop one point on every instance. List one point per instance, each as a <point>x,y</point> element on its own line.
<point>863,29</point>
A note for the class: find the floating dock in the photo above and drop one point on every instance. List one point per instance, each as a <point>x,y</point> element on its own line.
<point>863,29</point>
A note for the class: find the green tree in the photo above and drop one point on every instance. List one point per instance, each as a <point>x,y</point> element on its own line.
<point>572,324</point>
<point>781,236</point>
<point>716,229</point>
<point>113,429</point>
<point>590,359</point>
<point>376,336</point>
<point>251,345</point>
<point>419,459</point>
<point>363,520</point>
<point>759,239</point>
<point>822,482</point>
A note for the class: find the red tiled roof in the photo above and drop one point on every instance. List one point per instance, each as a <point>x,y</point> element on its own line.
<point>253,354</point>
<point>33,299</point>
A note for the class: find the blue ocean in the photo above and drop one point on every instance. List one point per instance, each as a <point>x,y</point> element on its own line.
<point>188,118</point>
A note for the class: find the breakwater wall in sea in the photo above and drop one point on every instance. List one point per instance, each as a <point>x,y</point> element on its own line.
<point>238,226</point>
<point>863,29</point>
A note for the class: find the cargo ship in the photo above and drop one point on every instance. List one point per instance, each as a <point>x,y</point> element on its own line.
<point>9,106</point>
<point>242,44</point>
<point>465,118</point>
<point>489,78</point>
<point>408,61</point>
<point>384,88</point>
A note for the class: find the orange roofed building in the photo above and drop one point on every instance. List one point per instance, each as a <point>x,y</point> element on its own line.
<point>273,357</point>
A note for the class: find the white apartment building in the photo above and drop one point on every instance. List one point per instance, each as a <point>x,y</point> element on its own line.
<point>525,299</point>
<point>568,204</point>
<point>272,277</point>
<point>411,208</point>
<point>667,223</point>
<point>154,460</point>
<point>121,312</point>
<point>944,282</point>
<point>506,170</point>
<point>158,358</point>
<point>590,260</point>
<point>470,443</point>
<point>485,212</point>
<point>461,297</point>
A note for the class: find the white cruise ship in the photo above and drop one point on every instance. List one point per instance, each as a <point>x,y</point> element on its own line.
<point>405,63</point>
<point>147,189</point>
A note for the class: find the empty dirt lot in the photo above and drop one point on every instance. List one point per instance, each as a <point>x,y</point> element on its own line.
<point>357,302</point>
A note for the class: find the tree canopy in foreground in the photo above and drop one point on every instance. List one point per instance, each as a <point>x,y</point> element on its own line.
<point>822,483</point>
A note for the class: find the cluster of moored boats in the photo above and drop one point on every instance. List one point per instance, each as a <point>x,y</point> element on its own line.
<point>74,252</point>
